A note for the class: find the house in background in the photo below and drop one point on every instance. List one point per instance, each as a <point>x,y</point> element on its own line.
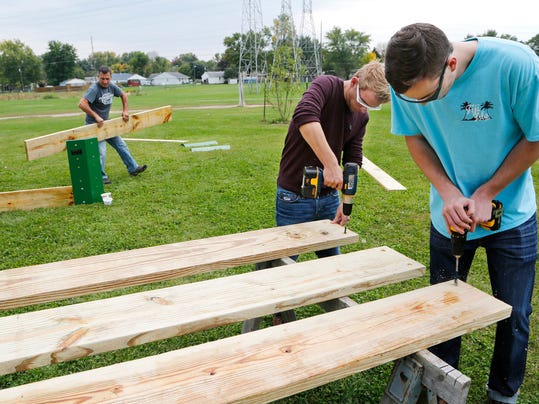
<point>73,83</point>
<point>120,78</point>
<point>213,77</point>
<point>136,80</point>
<point>168,79</point>
<point>90,79</point>
<point>163,79</point>
<point>181,77</point>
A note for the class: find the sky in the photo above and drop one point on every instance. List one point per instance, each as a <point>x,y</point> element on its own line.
<point>169,28</point>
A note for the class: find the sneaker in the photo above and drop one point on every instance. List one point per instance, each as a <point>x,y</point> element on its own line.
<point>139,170</point>
<point>107,181</point>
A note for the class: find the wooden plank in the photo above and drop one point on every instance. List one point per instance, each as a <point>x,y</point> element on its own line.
<point>277,362</point>
<point>253,324</point>
<point>43,337</point>
<point>134,139</point>
<point>383,178</point>
<point>442,379</point>
<point>29,199</point>
<point>59,280</point>
<point>55,142</point>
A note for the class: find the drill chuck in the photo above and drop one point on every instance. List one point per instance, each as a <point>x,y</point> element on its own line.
<point>347,203</point>
<point>349,187</point>
<point>457,243</point>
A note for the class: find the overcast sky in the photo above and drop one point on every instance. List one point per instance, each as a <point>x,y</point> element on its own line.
<point>173,27</point>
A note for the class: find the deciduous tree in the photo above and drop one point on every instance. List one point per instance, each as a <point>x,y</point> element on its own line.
<point>534,44</point>
<point>60,62</point>
<point>344,51</point>
<point>285,72</point>
<point>98,59</point>
<point>157,65</point>
<point>137,60</point>
<point>19,66</point>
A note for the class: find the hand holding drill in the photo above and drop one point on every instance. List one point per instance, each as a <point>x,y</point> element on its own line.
<point>459,239</point>
<point>313,182</point>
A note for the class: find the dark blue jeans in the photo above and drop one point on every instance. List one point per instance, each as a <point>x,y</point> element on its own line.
<point>291,208</point>
<point>511,258</point>
<point>120,146</point>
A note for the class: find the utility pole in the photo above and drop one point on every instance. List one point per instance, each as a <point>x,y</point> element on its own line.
<point>20,74</point>
<point>309,43</point>
<point>92,55</point>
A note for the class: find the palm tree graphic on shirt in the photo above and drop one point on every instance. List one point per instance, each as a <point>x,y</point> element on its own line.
<point>476,112</point>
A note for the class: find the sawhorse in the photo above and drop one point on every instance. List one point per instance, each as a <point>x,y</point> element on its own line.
<point>422,377</point>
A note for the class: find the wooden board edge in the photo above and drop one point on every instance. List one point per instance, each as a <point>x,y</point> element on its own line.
<point>36,198</point>
<point>39,147</point>
<point>383,178</point>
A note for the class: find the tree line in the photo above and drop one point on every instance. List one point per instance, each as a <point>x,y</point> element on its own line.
<point>341,54</point>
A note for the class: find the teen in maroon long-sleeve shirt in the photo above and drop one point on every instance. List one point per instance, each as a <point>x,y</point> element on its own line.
<point>327,129</point>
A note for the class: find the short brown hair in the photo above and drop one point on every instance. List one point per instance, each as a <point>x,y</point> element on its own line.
<point>415,52</point>
<point>104,70</point>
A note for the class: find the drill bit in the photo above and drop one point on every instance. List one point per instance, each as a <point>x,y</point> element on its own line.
<point>457,269</point>
<point>457,248</point>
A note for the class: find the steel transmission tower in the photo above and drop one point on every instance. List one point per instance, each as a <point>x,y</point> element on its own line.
<point>309,44</point>
<point>287,37</point>
<point>252,66</point>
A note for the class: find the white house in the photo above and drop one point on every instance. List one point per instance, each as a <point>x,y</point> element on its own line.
<point>168,79</point>
<point>213,77</point>
<point>181,77</point>
<point>73,82</point>
<point>116,78</point>
<point>164,79</point>
<point>90,79</point>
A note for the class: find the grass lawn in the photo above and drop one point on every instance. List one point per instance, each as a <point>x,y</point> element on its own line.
<point>185,196</point>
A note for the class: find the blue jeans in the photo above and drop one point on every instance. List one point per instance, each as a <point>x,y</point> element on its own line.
<point>119,145</point>
<point>511,258</point>
<point>291,208</point>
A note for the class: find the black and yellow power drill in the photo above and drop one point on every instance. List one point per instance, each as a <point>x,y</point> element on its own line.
<point>313,182</point>
<point>458,240</point>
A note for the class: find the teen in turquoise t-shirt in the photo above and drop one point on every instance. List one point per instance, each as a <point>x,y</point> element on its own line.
<point>470,114</point>
<point>474,127</point>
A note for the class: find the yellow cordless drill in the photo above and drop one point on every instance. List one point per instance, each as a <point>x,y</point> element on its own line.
<point>313,182</point>
<point>458,240</point>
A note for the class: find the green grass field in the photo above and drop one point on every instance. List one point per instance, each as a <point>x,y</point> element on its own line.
<point>185,196</point>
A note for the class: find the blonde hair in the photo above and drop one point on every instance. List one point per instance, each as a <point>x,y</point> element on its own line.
<point>372,76</point>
